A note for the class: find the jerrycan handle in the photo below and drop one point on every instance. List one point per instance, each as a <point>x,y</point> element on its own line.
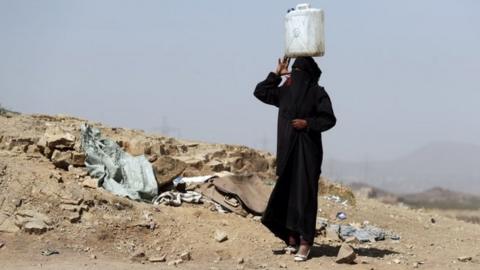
<point>302,6</point>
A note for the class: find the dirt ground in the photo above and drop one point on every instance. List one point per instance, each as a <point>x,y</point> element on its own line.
<point>114,232</point>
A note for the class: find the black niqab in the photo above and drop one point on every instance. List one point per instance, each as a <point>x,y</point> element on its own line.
<point>305,74</point>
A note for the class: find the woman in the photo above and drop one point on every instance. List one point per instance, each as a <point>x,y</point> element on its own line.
<point>304,112</point>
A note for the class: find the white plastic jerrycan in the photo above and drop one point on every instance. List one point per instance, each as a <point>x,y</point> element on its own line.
<point>304,32</point>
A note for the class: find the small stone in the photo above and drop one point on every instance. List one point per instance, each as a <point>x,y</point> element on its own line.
<point>240,260</point>
<point>57,176</point>
<point>75,217</point>
<point>464,258</point>
<point>17,202</point>
<point>397,261</point>
<point>162,258</point>
<point>138,256</point>
<point>35,226</point>
<point>282,265</point>
<point>346,254</point>
<point>185,256</point>
<point>2,244</point>
<point>153,158</point>
<point>220,236</point>
<point>364,261</point>
<point>351,240</point>
<point>70,207</point>
<point>90,182</point>
<point>93,257</point>
<point>50,252</point>
<point>433,220</point>
<point>175,262</point>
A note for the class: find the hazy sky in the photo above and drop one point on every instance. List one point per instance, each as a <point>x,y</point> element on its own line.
<point>400,73</point>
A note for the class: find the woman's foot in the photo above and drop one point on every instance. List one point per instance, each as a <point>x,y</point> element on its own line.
<point>292,247</point>
<point>303,253</point>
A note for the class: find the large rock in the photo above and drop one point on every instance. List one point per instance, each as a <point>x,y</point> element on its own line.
<point>7,224</point>
<point>251,159</point>
<point>137,147</point>
<point>166,169</point>
<point>56,137</point>
<point>61,159</point>
<point>33,222</point>
<point>215,165</point>
<point>78,159</point>
<point>346,254</point>
<point>18,144</point>
<point>193,162</point>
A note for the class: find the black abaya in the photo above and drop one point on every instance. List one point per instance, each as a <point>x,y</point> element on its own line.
<point>292,206</point>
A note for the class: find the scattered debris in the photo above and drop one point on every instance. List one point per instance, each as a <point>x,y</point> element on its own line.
<point>185,256</point>
<point>138,256</point>
<point>341,215</point>
<point>417,264</point>
<point>50,252</point>
<point>175,198</point>
<point>464,258</point>
<point>175,262</point>
<point>162,258</point>
<point>366,233</point>
<point>336,199</point>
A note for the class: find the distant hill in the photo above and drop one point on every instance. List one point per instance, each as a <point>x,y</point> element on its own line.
<point>442,199</point>
<point>435,198</point>
<point>449,165</point>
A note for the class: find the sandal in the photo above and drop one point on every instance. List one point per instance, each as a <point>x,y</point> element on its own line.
<point>286,250</point>
<point>291,249</point>
<point>300,257</point>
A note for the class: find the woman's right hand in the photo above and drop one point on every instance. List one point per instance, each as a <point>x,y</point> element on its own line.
<point>282,66</point>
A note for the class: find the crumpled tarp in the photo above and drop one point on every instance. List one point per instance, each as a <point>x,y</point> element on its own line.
<point>368,233</point>
<point>117,171</point>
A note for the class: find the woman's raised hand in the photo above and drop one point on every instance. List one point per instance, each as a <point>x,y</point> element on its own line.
<point>282,66</point>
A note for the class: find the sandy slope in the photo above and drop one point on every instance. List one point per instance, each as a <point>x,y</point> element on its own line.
<point>113,229</point>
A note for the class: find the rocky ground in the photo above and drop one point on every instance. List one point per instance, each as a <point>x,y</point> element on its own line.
<point>52,215</point>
